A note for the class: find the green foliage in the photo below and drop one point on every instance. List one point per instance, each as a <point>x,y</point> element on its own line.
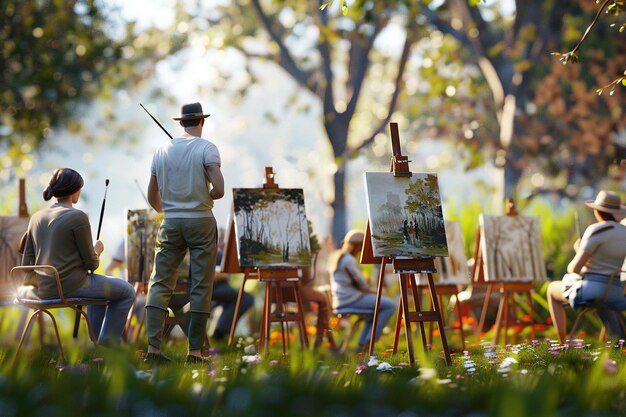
<point>520,380</point>
<point>56,56</point>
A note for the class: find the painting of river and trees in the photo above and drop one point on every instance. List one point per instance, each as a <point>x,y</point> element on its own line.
<point>452,269</point>
<point>406,219</point>
<point>271,227</point>
<point>511,248</point>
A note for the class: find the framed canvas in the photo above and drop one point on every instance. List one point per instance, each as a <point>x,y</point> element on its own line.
<point>271,227</point>
<point>142,226</point>
<point>12,228</point>
<point>405,215</point>
<point>452,269</point>
<point>511,248</point>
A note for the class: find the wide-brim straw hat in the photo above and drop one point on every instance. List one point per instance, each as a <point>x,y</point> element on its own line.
<point>608,202</point>
<point>191,111</point>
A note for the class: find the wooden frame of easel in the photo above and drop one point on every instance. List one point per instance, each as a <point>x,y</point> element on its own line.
<point>507,289</point>
<point>274,278</point>
<point>406,269</point>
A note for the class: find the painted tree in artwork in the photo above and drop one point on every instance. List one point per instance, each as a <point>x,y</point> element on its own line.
<point>273,227</point>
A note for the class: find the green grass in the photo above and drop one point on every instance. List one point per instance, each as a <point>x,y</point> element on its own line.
<point>536,378</point>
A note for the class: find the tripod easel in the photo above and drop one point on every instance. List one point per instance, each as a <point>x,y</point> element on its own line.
<point>507,290</point>
<point>406,269</point>
<point>275,279</point>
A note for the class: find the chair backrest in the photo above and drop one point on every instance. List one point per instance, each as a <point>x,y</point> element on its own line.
<point>32,269</point>
<point>12,228</point>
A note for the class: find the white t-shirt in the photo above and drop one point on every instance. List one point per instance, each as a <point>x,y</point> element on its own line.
<point>344,281</point>
<point>180,168</point>
<point>606,242</point>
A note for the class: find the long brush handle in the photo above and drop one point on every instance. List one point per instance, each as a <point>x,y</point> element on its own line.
<point>106,187</point>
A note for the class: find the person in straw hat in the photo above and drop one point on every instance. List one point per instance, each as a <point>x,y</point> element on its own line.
<point>186,179</point>
<point>351,294</point>
<point>596,265</point>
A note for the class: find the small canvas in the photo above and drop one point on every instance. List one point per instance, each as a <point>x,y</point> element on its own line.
<point>511,248</point>
<point>142,227</point>
<point>12,228</point>
<point>451,270</point>
<point>271,227</point>
<point>405,215</point>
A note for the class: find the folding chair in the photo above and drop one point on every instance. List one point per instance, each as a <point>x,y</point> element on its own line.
<point>359,320</point>
<point>42,306</point>
<point>591,308</point>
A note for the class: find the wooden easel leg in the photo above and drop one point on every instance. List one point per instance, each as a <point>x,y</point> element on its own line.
<point>399,318</point>
<point>531,313</point>
<point>457,307</point>
<point>483,313</point>
<point>442,331</point>
<point>407,321</point>
<point>502,307</point>
<point>418,308</point>
<point>304,340</point>
<point>265,321</point>
<point>379,293</point>
<point>233,325</point>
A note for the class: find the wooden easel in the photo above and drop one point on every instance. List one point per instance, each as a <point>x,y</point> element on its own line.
<point>406,269</point>
<point>507,290</point>
<point>450,290</point>
<point>275,280</point>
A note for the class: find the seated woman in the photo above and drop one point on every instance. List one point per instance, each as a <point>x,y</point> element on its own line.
<point>60,236</point>
<point>350,290</point>
<point>599,256</point>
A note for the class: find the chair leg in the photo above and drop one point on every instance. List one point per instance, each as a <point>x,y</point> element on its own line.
<point>24,333</point>
<point>56,331</point>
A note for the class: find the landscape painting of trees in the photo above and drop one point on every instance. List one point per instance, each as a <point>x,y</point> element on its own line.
<point>11,230</point>
<point>406,219</point>
<point>511,248</point>
<point>451,269</point>
<point>142,226</point>
<point>271,227</point>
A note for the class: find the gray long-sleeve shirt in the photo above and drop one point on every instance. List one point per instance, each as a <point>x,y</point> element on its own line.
<point>60,236</point>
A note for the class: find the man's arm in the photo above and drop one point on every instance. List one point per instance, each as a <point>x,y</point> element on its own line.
<point>217,181</point>
<point>154,196</point>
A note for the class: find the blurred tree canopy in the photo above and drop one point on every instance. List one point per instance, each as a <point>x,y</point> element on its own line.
<point>460,70</point>
<point>55,56</point>
<point>552,132</point>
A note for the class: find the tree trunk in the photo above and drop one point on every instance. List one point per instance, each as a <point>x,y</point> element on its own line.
<point>339,224</point>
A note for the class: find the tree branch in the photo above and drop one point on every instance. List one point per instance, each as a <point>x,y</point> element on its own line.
<point>286,61</point>
<point>328,96</point>
<point>406,51</point>
<point>359,65</point>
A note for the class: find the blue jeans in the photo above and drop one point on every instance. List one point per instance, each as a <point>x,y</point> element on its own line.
<point>366,305</point>
<point>108,320</point>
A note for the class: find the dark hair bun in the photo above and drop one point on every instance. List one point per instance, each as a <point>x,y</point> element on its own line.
<point>64,182</point>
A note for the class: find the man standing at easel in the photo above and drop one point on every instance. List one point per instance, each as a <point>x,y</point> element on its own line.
<point>186,178</point>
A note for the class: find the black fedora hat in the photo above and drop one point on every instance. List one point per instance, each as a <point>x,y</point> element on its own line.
<point>191,111</point>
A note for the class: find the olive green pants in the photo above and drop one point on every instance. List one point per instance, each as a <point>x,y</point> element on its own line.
<point>174,239</point>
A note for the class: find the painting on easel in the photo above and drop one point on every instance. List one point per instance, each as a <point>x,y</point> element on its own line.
<point>142,227</point>
<point>271,227</point>
<point>511,248</point>
<point>405,215</point>
<point>452,269</point>
<point>11,230</point>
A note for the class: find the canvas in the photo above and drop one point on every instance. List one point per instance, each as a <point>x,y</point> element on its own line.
<point>271,227</point>
<point>511,248</point>
<point>451,270</point>
<point>142,227</point>
<point>12,228</point>
<point>405,215</point>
